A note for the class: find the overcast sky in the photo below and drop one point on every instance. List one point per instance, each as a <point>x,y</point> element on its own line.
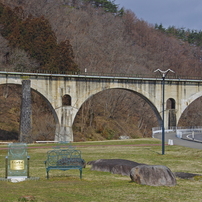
<point>179,13</point>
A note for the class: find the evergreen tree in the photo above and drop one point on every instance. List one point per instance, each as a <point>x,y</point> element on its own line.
<point>62,58</point>
<point>107,5</point>
<point>35,36</point>
<point>191,36</point>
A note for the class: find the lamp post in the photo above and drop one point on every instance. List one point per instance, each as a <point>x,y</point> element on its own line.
<point>163,73</point>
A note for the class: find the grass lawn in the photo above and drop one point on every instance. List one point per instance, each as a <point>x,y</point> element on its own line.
<point>66,186</point>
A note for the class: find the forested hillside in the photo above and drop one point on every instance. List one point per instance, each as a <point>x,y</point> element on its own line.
<point>96,36</point>
<point>105,42</point>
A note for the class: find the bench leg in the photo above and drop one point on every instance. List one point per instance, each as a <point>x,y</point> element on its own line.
<point>80,173</point>
<point>47,174</point>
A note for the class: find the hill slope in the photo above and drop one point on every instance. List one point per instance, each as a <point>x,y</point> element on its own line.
<point>103,42</point>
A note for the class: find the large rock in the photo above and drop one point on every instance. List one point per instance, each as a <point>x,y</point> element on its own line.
<point>183,175</point>
<point>115,166</point>
<point>156,175</point>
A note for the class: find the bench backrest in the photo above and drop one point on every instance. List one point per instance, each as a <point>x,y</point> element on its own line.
<point>62,157</point>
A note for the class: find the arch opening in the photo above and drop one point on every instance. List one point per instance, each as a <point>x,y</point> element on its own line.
<point>66,100</point>
<point>44,117</point>
<point>113,113</point>
<point>170,107</point>
<point>170,104</point>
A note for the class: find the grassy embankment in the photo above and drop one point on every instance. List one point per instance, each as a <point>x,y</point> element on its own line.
<point>103,186</point>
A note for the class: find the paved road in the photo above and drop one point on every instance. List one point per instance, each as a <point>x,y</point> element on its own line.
<point>196,136</point>
<point>178,141</point>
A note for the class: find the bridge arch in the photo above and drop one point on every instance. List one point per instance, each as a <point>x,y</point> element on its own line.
<point>49,106</point>
<point>152,106</point>
<point>191,116</point>
<point>189,100</point>
<point>44,98</point>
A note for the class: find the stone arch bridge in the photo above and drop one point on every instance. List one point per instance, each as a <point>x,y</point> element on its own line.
<point>67,93</point>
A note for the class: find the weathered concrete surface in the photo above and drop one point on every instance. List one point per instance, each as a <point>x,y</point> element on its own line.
<point>115,166</point>
<point>153,175</point>
<point>81,87</point>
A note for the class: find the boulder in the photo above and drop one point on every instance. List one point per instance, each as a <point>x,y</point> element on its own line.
<point>153,175</point>
<point>115,166</point>
<point>183,175</point>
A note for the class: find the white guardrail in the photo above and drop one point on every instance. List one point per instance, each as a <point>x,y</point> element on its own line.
<point>180,131</point>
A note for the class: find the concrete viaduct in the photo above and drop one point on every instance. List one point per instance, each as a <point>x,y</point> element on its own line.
<point>67,93</point>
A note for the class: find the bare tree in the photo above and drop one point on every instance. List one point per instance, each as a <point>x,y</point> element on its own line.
<point>105,43</point>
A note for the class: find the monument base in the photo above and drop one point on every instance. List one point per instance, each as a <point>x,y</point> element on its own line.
<point>17,178</point>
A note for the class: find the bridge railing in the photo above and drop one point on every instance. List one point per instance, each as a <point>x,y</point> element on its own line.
<point>83,73</point>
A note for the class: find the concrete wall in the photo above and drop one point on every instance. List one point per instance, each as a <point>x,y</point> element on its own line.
<point>81,88</point>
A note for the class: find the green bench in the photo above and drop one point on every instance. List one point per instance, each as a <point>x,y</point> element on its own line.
<point>64,159</point>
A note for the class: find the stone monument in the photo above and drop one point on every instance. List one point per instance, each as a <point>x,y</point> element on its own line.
<point>17,162</point>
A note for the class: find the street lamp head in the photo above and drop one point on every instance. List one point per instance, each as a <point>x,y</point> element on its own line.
<point>164,73</point>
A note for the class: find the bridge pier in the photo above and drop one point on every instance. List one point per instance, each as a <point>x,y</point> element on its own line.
<point>64,130</point>
<point>26,113</point>
<point>172,118</point>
